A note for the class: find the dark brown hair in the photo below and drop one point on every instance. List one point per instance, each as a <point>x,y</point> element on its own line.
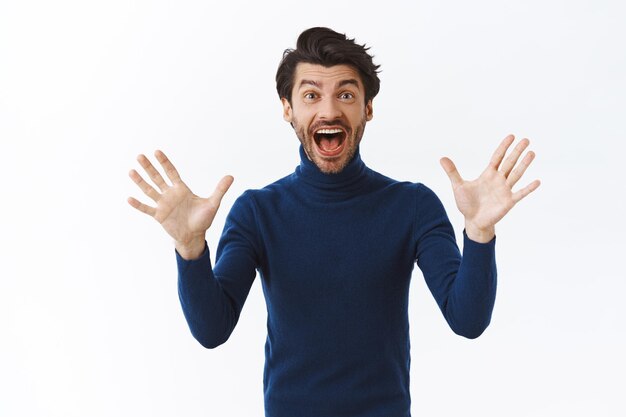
<point>326,47</point>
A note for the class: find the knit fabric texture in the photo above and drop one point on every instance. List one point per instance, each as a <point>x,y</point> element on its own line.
<point>335,254</point>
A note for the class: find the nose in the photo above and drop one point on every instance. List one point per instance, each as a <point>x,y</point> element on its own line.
<point>329,109</point>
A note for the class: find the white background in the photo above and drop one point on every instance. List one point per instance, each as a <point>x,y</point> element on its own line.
<point>90,322</point>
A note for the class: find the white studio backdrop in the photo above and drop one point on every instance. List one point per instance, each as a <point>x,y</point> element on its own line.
<point>90,322</point>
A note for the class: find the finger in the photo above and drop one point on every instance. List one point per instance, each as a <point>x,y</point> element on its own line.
<point>517,173</point>
<point>145,187</point>
<point>150,211</point>
<point>221,189</point>
<point>517,196</point>
<point>511,160</point>
<point>451,170</point>
<point>171,172</point>
<point>497,156</point>
<point>152,172</point>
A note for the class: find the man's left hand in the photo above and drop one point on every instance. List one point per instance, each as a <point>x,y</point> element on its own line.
<point>485,200</point>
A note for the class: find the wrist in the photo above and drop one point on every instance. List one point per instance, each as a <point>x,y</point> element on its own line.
<point>479,234</point>
<point>191,250</point>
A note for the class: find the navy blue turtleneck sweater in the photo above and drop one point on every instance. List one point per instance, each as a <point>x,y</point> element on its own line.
<point>335,254</point>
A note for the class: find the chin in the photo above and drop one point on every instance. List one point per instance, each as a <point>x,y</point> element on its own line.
<point>330,168</point>
<point>334,166</point>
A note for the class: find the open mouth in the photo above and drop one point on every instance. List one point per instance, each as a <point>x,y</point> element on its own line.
<point>330,141</point>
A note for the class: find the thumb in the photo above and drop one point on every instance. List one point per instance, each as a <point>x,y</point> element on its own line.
<point>222,187</point>
<point>450,168</point>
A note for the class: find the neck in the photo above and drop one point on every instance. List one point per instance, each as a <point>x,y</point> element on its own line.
<point>340,185</point>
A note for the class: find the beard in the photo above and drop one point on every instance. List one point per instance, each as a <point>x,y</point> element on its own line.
<point>336,164</point>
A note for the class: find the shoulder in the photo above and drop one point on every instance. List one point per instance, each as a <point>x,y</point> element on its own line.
<point>417,196</point>
<point>425,195</point>
<point>381,181</point>
<point>253,196</point>
<point>416,190</point>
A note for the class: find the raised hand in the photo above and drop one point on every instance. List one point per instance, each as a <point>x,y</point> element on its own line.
<point>184,216</point>
<point>487,199</point>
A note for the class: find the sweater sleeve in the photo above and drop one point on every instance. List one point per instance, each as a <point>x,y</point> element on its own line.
<point>464,287</point>
<point>212,297</point>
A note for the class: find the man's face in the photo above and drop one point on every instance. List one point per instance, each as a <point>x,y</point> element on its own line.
<point>328,113</point>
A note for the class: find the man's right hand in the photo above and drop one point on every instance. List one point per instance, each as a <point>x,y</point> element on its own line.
<point>184,216</point>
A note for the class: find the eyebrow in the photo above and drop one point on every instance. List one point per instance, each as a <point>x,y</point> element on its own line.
<point>350,81</point>
<point>309,82</point>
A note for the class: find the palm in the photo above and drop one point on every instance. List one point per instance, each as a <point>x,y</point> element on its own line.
<point>487,199</point>
<point>183,215</point>
<point>484,200</point>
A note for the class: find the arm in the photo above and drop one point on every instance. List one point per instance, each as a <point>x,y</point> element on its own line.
<point>466,295</point>
<point>463,287</point>
<point>212,298</point>
<point>210,307</point>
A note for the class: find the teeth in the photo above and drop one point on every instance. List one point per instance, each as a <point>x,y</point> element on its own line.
<point>329,131</point>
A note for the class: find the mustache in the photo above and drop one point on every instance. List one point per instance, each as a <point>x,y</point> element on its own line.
<point>323,123</point>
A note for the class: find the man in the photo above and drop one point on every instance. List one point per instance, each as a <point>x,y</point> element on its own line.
<point>335,244</point>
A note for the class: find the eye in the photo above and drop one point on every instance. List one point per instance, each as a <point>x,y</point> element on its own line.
<point>347,96</point>
<point>309,96</point>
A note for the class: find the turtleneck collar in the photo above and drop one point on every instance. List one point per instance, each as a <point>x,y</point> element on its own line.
<point>341,184</point>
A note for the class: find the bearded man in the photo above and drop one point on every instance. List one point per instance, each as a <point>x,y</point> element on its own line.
<point>335,244</point>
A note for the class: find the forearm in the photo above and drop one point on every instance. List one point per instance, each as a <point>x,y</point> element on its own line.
<point>207,308</point>
<point>471,300</point>
<point>464,286</point>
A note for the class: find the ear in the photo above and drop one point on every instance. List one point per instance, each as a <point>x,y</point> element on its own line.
<point>287,111</point>
<point>369,111</point>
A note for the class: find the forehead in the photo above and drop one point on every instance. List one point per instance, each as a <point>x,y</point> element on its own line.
<point>325,76</point>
